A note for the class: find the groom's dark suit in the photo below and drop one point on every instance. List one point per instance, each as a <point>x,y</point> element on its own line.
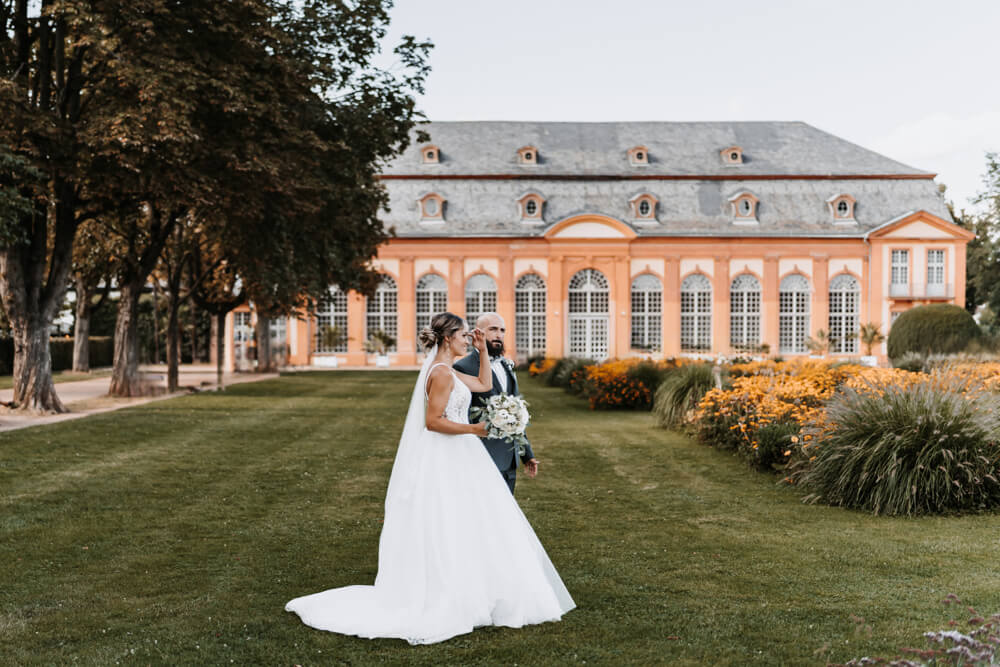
<point>504,454</point>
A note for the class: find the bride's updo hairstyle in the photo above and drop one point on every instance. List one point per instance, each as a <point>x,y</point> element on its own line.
<point>443,325</point>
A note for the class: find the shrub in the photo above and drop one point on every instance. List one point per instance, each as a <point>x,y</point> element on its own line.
<point>540,366</point>
<point>942,327</point>
<point>774,444</point>
<point>900,449</point>
<point>680,392</point>
<point>565,371</point>
<point>101,353</point>
<point>627,384</point>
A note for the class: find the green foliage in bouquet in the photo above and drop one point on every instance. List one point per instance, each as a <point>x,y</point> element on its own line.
<point>908,451</point>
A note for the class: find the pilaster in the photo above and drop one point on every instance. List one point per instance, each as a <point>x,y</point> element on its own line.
<point>769,304</point>
<point>505,303</point>
<point>672,307</point>
<point>406,300</point>
<point>456,286</point>
<point>820,303</point>
<point>720,305</point>
<point>621,309</point>
<point>555,336</point>
<point>357,330</point>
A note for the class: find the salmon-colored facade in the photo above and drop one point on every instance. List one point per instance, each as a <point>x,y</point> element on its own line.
<point>731,274</point>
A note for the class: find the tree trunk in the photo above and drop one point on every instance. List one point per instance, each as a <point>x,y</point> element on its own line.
<point>33,385</point>
<point>156,324</point>
<point>213,340</point>
<point>81,330</point>
<point>125,379</point>
<point>195,348</point>
<point>173,342</point>
<point>263,344</point>
<point>220,348</point>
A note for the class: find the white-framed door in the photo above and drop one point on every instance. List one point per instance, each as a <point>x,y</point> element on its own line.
<point>589,316</point>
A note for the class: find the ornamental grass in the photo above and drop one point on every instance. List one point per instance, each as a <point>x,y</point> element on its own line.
<point>678,395</point>
<point>905,447</point>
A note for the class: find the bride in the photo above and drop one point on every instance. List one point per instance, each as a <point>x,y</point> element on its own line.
<point>456,552</point>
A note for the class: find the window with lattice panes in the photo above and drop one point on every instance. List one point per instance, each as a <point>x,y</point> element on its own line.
<point>432,298</point>
<point>331,323</point>
<point>588,314</point>
<point>647,313</point>
<point>480,297</point>
<point>696,313</point>
<point>382,310</point>
<point>529,315</point>
<point>793,314</point>
<point>900,267</point>
<point>845,294</point>
<point>935,271</point>
<point>744,313</point>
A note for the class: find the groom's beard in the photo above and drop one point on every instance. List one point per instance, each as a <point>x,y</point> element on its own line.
<point>495,348</point>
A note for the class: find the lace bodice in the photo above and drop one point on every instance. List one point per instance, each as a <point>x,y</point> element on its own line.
<point>457,408</point>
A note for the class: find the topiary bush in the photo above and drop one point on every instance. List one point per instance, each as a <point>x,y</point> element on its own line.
<point>942,328</point>
<point>905,450</point>
<point>680,392</point>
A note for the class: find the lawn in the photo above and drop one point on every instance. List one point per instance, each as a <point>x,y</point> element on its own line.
<point>175,532</point>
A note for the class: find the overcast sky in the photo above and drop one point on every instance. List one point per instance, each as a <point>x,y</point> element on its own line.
<point>915,80</point>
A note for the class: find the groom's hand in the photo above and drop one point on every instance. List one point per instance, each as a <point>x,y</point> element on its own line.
<point>531,468</point>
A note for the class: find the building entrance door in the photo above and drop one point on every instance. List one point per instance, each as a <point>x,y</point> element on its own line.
<point>588,315</point>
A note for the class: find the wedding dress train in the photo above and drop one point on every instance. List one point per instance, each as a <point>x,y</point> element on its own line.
<point>455,553</point>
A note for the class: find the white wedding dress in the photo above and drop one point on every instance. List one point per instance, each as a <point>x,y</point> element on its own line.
<point>455,553</point>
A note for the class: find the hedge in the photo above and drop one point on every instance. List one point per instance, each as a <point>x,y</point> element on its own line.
<point>61,349</point>
<point>940,328</point>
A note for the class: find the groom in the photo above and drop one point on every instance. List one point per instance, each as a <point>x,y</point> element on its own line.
<point>504,454</point>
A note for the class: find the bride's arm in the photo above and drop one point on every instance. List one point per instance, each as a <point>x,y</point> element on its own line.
<point>438,389</point>
<point>484,382</point>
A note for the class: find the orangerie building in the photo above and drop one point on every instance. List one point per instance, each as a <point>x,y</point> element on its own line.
<point>619,239</point>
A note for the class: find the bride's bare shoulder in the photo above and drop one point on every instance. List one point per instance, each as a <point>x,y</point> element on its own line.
<point>439,377</point>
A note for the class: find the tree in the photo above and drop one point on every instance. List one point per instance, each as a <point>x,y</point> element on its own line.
<point>47,61</point>
<point>93,266</point>
<point>983,252</point>
<point>870,336</point>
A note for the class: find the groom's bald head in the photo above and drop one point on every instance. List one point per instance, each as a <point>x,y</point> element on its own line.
<point>495,329</point>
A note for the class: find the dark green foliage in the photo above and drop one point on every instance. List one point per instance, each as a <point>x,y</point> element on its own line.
<point>680,392</point>
<point>649,373</point>
<point>938,328</point>
<point>567,373</point>
<point>773,441</point>
<point>918,450</point>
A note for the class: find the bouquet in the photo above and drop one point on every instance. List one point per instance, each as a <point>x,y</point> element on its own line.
<point>506,418</point>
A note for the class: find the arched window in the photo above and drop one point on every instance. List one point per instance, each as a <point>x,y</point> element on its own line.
<point>696,313</point>
<point>793,314</point>
<point>382,312</point>
<point>480,297</point>
<point>588,315</point>
<point>647,313</point>
<point>529,315</point>
<point>844,296</point>
<point>331,323</point>
<point>744,313</point>
<point>432,298</point>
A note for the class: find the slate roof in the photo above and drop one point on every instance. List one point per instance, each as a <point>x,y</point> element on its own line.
<point>584,168</point>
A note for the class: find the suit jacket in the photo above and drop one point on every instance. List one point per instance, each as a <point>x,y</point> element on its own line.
<point>502,452</point>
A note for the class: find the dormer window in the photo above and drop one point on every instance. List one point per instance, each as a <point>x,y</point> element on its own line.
<point>527,155</point>
<point>644,208</point>
<point>842,208</point>
<point>638,155</point>
<point>530,205</point>
<point>431,154</point>
<point>732,156</point>
<point>431,207</point>
<point>744,208</point>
